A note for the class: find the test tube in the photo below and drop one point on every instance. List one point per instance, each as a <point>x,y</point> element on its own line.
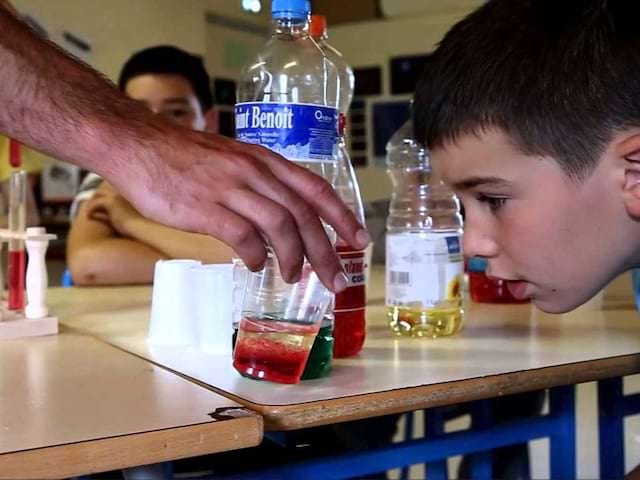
<point>15,153</point>
<point>17,224</point>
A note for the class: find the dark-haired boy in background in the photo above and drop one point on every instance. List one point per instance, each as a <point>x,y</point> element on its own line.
<point>110,242</point>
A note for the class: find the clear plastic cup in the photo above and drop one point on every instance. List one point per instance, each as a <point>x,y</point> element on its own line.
<point>279,323</point>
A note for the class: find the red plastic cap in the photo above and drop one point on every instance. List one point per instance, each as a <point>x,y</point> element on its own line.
<point>318,26</point>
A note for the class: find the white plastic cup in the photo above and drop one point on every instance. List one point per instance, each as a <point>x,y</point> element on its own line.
<point>172,307</point>
<point>213,295</point>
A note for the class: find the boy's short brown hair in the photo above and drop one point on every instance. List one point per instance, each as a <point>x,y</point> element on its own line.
<point>559,77</point>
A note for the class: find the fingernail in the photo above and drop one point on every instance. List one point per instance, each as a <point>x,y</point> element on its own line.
<point>340,282</point>
<point>297,277</point>
<point>363,238</point>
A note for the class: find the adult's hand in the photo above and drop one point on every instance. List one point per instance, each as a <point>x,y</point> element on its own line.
<point>242,194</point>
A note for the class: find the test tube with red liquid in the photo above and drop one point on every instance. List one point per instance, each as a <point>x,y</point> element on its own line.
<point>17,224</point>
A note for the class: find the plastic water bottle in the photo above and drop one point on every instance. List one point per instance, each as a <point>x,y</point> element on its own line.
<point>349,311</point>
<point>318,31</point>
<point>288,95</point>
<point>425,267</point>
<point>288,102</point>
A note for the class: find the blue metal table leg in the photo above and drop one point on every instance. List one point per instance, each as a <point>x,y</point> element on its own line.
<point>409,417</point>
<point>481,464</point>
<point>433,428</point>
<point>611,426</point>
<point>562,406</point>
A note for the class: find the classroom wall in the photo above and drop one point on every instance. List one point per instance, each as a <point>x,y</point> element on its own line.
<point>117,28</point>
<point>231,45</point>
<point>416,27</point>
<point>373,43</point>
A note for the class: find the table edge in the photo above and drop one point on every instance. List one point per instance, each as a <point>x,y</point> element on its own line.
<point>356,407</point>
<point>93,456</point>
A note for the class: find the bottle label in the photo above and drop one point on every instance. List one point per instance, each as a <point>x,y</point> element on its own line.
<point>424,270</point>
<point>298,132</point>
<point>354,266</point>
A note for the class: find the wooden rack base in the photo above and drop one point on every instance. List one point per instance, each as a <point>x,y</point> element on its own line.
<point>14,325</point>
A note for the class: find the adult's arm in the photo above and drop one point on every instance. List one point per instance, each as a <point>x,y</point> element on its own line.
<point>193,181</point>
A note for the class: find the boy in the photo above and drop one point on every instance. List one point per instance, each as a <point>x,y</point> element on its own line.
<point>531,110</point>
<point>110,242</point>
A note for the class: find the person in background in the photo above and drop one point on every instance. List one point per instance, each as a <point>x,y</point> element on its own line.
<point>110,242</point>
<point>32,163</point>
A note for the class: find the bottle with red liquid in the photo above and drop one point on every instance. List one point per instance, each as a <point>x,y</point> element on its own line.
<point>350,323</point>
<point>349,311</point>
<point>484,289</point>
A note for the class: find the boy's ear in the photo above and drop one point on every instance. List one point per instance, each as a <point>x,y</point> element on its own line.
<point>629,151</point>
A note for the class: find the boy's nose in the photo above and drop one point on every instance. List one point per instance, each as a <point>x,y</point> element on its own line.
<point>476,243</point>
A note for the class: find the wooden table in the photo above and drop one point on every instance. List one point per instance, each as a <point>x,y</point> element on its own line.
<point>502,350</point>
<point>70,405</point>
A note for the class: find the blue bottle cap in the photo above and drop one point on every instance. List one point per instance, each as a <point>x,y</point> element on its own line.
<point>290,8</point>
<point>477,264</point>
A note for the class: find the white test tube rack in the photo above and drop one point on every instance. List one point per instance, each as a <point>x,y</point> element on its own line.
<point>34,320</point>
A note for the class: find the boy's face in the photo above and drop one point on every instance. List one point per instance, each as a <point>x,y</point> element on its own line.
<point>557,240</point>
<point>168,95</point>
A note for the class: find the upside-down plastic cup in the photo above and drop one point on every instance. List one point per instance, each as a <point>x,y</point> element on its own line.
<point>213,292</point>
<point>279,323</point>
<point>172,307</point>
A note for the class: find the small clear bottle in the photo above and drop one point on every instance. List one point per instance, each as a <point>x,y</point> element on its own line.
<point>424,269</point>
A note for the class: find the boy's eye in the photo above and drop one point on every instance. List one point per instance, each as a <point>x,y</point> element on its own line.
<point>494,203</point>
<point>176,113</point>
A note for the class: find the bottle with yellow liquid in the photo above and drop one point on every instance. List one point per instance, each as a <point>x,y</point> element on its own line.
<point>424,262</point>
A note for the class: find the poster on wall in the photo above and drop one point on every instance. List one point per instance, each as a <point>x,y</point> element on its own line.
<point>73,43</point>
